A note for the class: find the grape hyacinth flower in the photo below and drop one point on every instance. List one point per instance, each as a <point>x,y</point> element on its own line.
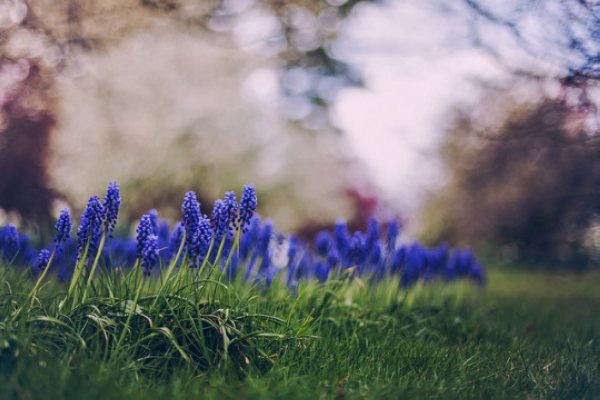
<point>303,268</point>
<point>163,232</point>
<point>63,227</point>
<point>175,240</point>
<point>219,220</point>
<point>144,230</point>
<point>393,230</point>
<point>322,271</point>
<point>9,240</point>
<point>191,221</point>
<point>294,244</point>
<point>90,228</point>
<point>358,249</point>
<point>224,216</point>
<point>333,259</point>
<point>372,234</point>
<point>205,235</point>
<point>154,219</point>
<point>322,243</point>
<point>42,260</point>
<point>25,252</point>
<point>261,249</point>
<point>477,273</point>
<point>398,260</point>
<point>249,237</point>
<point>264,239</point>
<point>149,254</point>
<point>230,211</point>
<point>414,264</point>
<point>112,203</point>
<point>248,204</point>
<point>342,241</point>
<point>375,260</point>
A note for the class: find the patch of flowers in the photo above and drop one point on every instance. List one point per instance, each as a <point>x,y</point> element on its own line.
<point>237,241</point>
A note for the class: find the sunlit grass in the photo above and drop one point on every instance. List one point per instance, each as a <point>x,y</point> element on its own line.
<point>526,335</point>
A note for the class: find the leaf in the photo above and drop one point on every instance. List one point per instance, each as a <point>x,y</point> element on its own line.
<point>169,335</point>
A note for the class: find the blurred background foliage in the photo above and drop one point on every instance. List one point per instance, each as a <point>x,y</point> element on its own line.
<point>148,93</point>
<point>171,95</point>
<point>529,183</point>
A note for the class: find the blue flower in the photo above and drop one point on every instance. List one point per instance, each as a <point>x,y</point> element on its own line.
<point>393,230</point>
<point>398,260</point>
<point>191,212</point>
<point>333,258</point>
<point>43,259</point>
<point>477,273</point>
<point>249,238</point>
<point>375,260</point>
<point>9,242</point>
<point>322,271</point>
<point>191,221</point>
<point>303,269</point>
<point>144,231</point>
<point>437,259</point>
<point>462,262</point>
<point>150,254</point>
<point>294,246</point>
<point>248,204</point>
<point>322,243</point>
<point>372,234</point>
<point>264,238</point>
<point>342,241</point>
<point>358,249</point>
<point>154,219</point>
<point>175,240</point>
<point>163,232</point>
<point>121,252</point>
<point>224,216</point>
<point>25,253</point>
<point>112,203</point>
<point>63,227</point>
<point>414,264</point>
<point>219,219</point>
<point>230,210</point>
<point>90,227</point>
<point>205,235</point>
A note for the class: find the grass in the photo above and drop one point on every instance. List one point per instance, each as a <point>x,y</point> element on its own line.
<point>527,335</point>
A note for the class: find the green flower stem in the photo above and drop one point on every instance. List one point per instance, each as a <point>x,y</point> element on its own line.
<point>94,266</point>
<point>41,278</point>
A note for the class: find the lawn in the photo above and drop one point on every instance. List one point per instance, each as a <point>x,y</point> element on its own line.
<point>525,335</point>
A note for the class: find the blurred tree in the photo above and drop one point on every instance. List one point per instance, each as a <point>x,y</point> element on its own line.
<point>563,33</point>
<point>566,30</point>
<point>53,37</point>
<point>26,119</point>
<point>531,184</point>
<point>164,118</point>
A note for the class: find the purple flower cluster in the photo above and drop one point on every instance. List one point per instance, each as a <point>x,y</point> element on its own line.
<point>149,254</point>
<point>261,255</point>
<point>191,222</point>
<point>63,227</point>
<point>90,227</point>
<point>144,230</point>
<point>248,204</point>
<point>9,242</point>
<point>371,254</point>
<point>15,247</point>
<point>43,259</point>
<point>112,204</point>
